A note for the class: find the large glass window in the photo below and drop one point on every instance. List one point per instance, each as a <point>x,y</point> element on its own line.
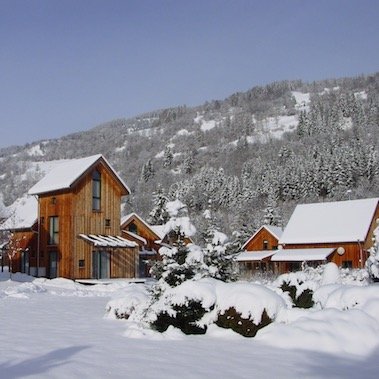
<point>54,230</point>
<point>96,190</point>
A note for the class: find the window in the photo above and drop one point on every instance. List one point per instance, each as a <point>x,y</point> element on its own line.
<point>107,222</point>
<point>347,264</point>
<point>133,228</point>
<point>265,245</point>
<point>54,230</point>
<point>96,190</point>
<point>81,263</point>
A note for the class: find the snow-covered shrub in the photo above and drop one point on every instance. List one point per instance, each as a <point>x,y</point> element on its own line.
<point>183,307</point>
<point>331,274</point>
<point>133,297</point>
<point>245,307</point>
<point>194,305</point>
<point>299,288</point>
<point>231,319</point>
<point>181,316</point>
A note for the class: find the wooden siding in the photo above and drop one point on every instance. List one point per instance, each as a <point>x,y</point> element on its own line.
<point>26,241</point>
<point>355,252</point>
<point>76,216</point>
<point>256,244</point>
<point>144,232</point>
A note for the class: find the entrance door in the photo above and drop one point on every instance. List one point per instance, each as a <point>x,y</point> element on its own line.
<point>101,264</point>
<point>53,264</point>
<point>25,262</point>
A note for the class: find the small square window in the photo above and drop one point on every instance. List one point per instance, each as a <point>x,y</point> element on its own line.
<point>347,264</point>
<point>265,245</point>
<point>107,222</point>
<point>81,263</point>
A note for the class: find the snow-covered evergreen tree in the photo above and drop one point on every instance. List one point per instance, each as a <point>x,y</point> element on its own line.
<point>168,157</point>
<point>218,263</point>
<point>372,263</point>
<point>271,214</point>
<point>159,214</point>
<point>147,171</point>
<point>180,262</point>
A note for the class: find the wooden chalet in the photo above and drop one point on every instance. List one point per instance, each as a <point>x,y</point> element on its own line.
<point>339,232</point>
<point>258,249</point>
<point>19,232</point>
<point>78,223</point>
<point>150,239</point>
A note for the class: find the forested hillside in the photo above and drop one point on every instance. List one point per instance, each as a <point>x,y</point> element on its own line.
<point>251,157</point>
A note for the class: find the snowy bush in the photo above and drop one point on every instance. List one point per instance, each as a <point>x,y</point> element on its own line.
<point>182,316</point>
<point>133,297</point>
<point>298,287</point>
<point>231,319</point>
<point>194,305</point>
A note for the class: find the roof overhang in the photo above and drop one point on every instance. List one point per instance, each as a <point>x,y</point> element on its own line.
<point>107,241</point>
<point>302,255</point>
<point>248,256</point>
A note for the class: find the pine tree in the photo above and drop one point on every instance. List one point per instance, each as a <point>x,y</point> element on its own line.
<point>168,157</point>
<point>217,261</point>
<point>179,262</point>
<point>159,214</point>
<point>188,162</point>
<point>271,214</point>
<point>148,171</point>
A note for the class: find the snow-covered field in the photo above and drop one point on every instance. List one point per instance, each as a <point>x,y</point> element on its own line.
<point>59,329</point>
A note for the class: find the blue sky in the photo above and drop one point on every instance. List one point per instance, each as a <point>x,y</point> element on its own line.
<point>68,65</point>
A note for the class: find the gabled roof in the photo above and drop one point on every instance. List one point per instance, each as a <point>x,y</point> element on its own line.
<point>276,231</point>
<point>339,221</point>
<point>155,229</point>
<point>64,175</point>
<point>23,214</point>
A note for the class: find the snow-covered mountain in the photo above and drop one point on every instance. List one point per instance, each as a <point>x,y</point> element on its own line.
<point>288,141</point>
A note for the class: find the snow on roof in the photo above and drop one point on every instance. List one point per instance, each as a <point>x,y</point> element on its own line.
<point>301,255</point>
<point>254,255</point>
<point>136,236</point>
<point>107,241</point>
<point>23,214</point>
<point>158,230</point>
<point>127,217</point>
<point>340,221</point>
<point>276,231</point>
<point>64,174</point>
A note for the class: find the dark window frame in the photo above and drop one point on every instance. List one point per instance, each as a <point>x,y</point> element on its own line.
<point>96,191</point>
<point>53,230</point>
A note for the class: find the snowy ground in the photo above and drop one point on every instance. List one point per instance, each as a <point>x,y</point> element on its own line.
<point>58,329</point>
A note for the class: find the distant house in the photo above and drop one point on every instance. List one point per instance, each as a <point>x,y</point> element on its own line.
<point>339,232</point>
<point>150,239</point>
<point>77,234</point>
<point>258,249</point>
<point>22,224</point>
